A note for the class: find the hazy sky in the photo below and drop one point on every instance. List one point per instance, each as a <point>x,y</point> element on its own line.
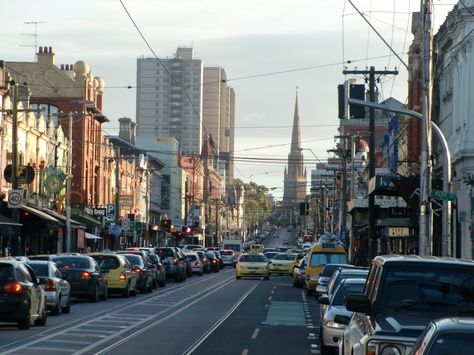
<point>246,38</point>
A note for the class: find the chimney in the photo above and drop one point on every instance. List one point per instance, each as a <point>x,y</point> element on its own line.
<point>45,56</point>
<point>125,130</point>
<point>132,132</point>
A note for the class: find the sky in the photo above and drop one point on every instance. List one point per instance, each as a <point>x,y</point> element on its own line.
<point>269,49</point>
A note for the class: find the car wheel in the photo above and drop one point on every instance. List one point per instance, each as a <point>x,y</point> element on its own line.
<point>126,291</point>
<point>162,283</point>
<point>105,295</point>
<point>95,295</point>
<point>67,309</point>
<point>57,309</point>
<point>150,287</point>
<point>155,284</point>
<point>200,273</point>
<point>26,321</point>
<point>238,277</point>
<point>44,317</point>
<point>134,291</point>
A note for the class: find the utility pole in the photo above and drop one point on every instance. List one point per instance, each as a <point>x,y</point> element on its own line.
<point>117,194</point>
<point>370,248</point>
<point>68,188</point>
<point>343,192</point>
<point>425,226</point>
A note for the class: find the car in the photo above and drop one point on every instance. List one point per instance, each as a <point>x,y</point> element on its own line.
<point>214,261</point>
<point>191,246</point>
<point>217,253</point>
<point>299,273</point>
<point>142,270</point>
<point>336,317</point>
<point>145,254</point>
<point>270,254</point>
<point>160,269</point>
<point>185,261</point>
<point>22,299</point>
<point>195,261</point>
<point>174,267</point>
<point>252,265</point>
<point>256,248</point>
<point>228,257</point>
<point>204,260</point>
<point>267,250</point>
<point>403,293</point>
<point>325,276</point>
<point>57,290</point>
<point>118,270</point>
<point>446,336</point>
<point>283,263</point>
<point>84,275</point>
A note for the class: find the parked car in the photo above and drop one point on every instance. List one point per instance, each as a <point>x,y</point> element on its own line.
<point>325,276</point>
<point>119,273</point>
<point>446,336</point>
<point>196,264</point>
<point>403,293</point>
<point>214,261</point>
<point>147,260</point>
<point>336,317</point>
<point>84,275</point>
<point>204,260</point>
<point>217,253</point>
<point>252,265</point>
<point>299,273</point>
<point>22,299</point>
<point>57,290</point>
<point>175,268</point>
<point>185,261</point>
<point>160,269</point>
<point>142,270</point>
<point>228,257</point>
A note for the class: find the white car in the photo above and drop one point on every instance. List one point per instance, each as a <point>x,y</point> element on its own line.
<point>336,316</point>
<point>228,257</point>
<point>58,290</point>
<point>195,261</point>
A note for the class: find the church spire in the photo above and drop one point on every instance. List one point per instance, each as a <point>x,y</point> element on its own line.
<point>296,134</point>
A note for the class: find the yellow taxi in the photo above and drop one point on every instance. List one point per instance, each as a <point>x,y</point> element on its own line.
<point>252,265</point>
<point>119,273</point>
<point>283,263</point>
<point>256,248</point>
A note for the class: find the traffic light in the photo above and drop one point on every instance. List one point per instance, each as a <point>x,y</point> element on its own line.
<point>178,234</point>
<point>166,224</point>
<point>186,230</point>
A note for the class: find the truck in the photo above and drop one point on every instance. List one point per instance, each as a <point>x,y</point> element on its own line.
<point>233,244</point>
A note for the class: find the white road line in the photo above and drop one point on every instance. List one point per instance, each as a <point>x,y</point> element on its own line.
<point>269,299</point>
<point>193,347</point>
<point>68,341</point>
<point>245,351</point>
<point>57,350</point>
<point>255,334</point>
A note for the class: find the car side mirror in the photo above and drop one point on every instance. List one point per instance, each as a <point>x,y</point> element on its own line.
<point>358,302</point>
<point>339,318</point>
<point>323,300</point>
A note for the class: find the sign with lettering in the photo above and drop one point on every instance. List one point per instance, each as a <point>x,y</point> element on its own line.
<point>398,232</point>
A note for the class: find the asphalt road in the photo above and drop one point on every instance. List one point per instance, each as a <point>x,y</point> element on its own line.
<point>212,314</point>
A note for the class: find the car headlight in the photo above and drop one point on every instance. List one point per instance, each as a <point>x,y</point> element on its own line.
<point>332,324</point>
<point>390,350</point>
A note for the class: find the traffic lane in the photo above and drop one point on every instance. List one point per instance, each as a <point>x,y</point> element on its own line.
<point>83,311</point>
<point>275,319</point>
<point>184,329</point>
<point>277,241</point>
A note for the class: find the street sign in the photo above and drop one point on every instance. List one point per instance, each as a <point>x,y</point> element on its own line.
<point>442,195</point>
<point>398,231</point>
<point>111,211</point>
<point>126,224</point>
<point>115,229</point>
<point>15,198</point>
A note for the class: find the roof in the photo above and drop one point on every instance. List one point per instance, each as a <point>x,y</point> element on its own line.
<point>455,323</point>
<point>394,258</point>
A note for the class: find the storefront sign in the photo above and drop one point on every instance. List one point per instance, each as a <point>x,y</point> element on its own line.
<point>397,232</point>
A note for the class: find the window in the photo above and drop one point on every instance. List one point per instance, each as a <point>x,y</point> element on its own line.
<point>321,259</point>
<point>6,272</point>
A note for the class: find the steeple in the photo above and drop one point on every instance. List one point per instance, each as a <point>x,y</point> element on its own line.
<point>296,135</point>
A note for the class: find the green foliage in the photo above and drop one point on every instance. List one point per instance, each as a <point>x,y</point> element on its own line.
<point>258,206</point>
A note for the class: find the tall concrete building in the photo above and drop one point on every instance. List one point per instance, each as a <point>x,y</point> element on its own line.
<point>219,117</point>
<point>295,178</point>
<point>169,99</point>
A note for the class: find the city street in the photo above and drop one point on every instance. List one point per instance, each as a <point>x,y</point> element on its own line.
<point>214,313</point>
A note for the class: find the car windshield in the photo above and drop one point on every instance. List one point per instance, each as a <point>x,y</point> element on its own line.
<point>235,247</point>
<point>165,253</point>
<point>339,298</point>
<point>429,288</point>
<point>284,257</point>
<point>321,259</point>
<point>107,261</point>
<point>39,269</point>
<point>446,342</point>
<point>270,254</point>
<point>253,259</point>
<point>72,262</point>
<point>329,270</point>
<point>135,260</point>
<point>6,272</point>
<point>337,278</point>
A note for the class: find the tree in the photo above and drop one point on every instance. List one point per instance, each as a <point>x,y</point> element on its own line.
<point>257,203</point>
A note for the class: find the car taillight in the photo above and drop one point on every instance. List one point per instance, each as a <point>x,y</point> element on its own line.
<point>175,261</point>
<point>137,270</point>
<point>197,263</point>
<point>85,275</point>
<point>50,285</point>
<point>13,287</point>
<point>122,277</point>
<point>214,261</point>
<point>205,260</point>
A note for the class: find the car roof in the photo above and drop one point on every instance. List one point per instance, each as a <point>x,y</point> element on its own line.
<point>41,262</point>
<point>396,258</point>
<point>455,324</point>
<point>9,260</point>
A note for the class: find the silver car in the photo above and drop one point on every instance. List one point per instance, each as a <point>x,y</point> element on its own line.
<point>195,261</point>
<point>228,257</point>
<point>57,289</point>
<point>336,317</point>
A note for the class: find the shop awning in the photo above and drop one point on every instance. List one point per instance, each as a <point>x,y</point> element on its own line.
<point>5,221</point>
<point>85,218</point>
<point>396,222</point>
<point>62,218</point>
<point>40,213</point>
<point>92,236</point>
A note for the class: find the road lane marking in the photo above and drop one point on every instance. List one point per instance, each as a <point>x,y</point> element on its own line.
<point>245,351</point>
<point>203,337</point>
<point>269,299</point>
<point>255,333</point>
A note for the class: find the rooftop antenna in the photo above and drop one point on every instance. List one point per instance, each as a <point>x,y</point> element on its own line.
<point>35,35</point>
